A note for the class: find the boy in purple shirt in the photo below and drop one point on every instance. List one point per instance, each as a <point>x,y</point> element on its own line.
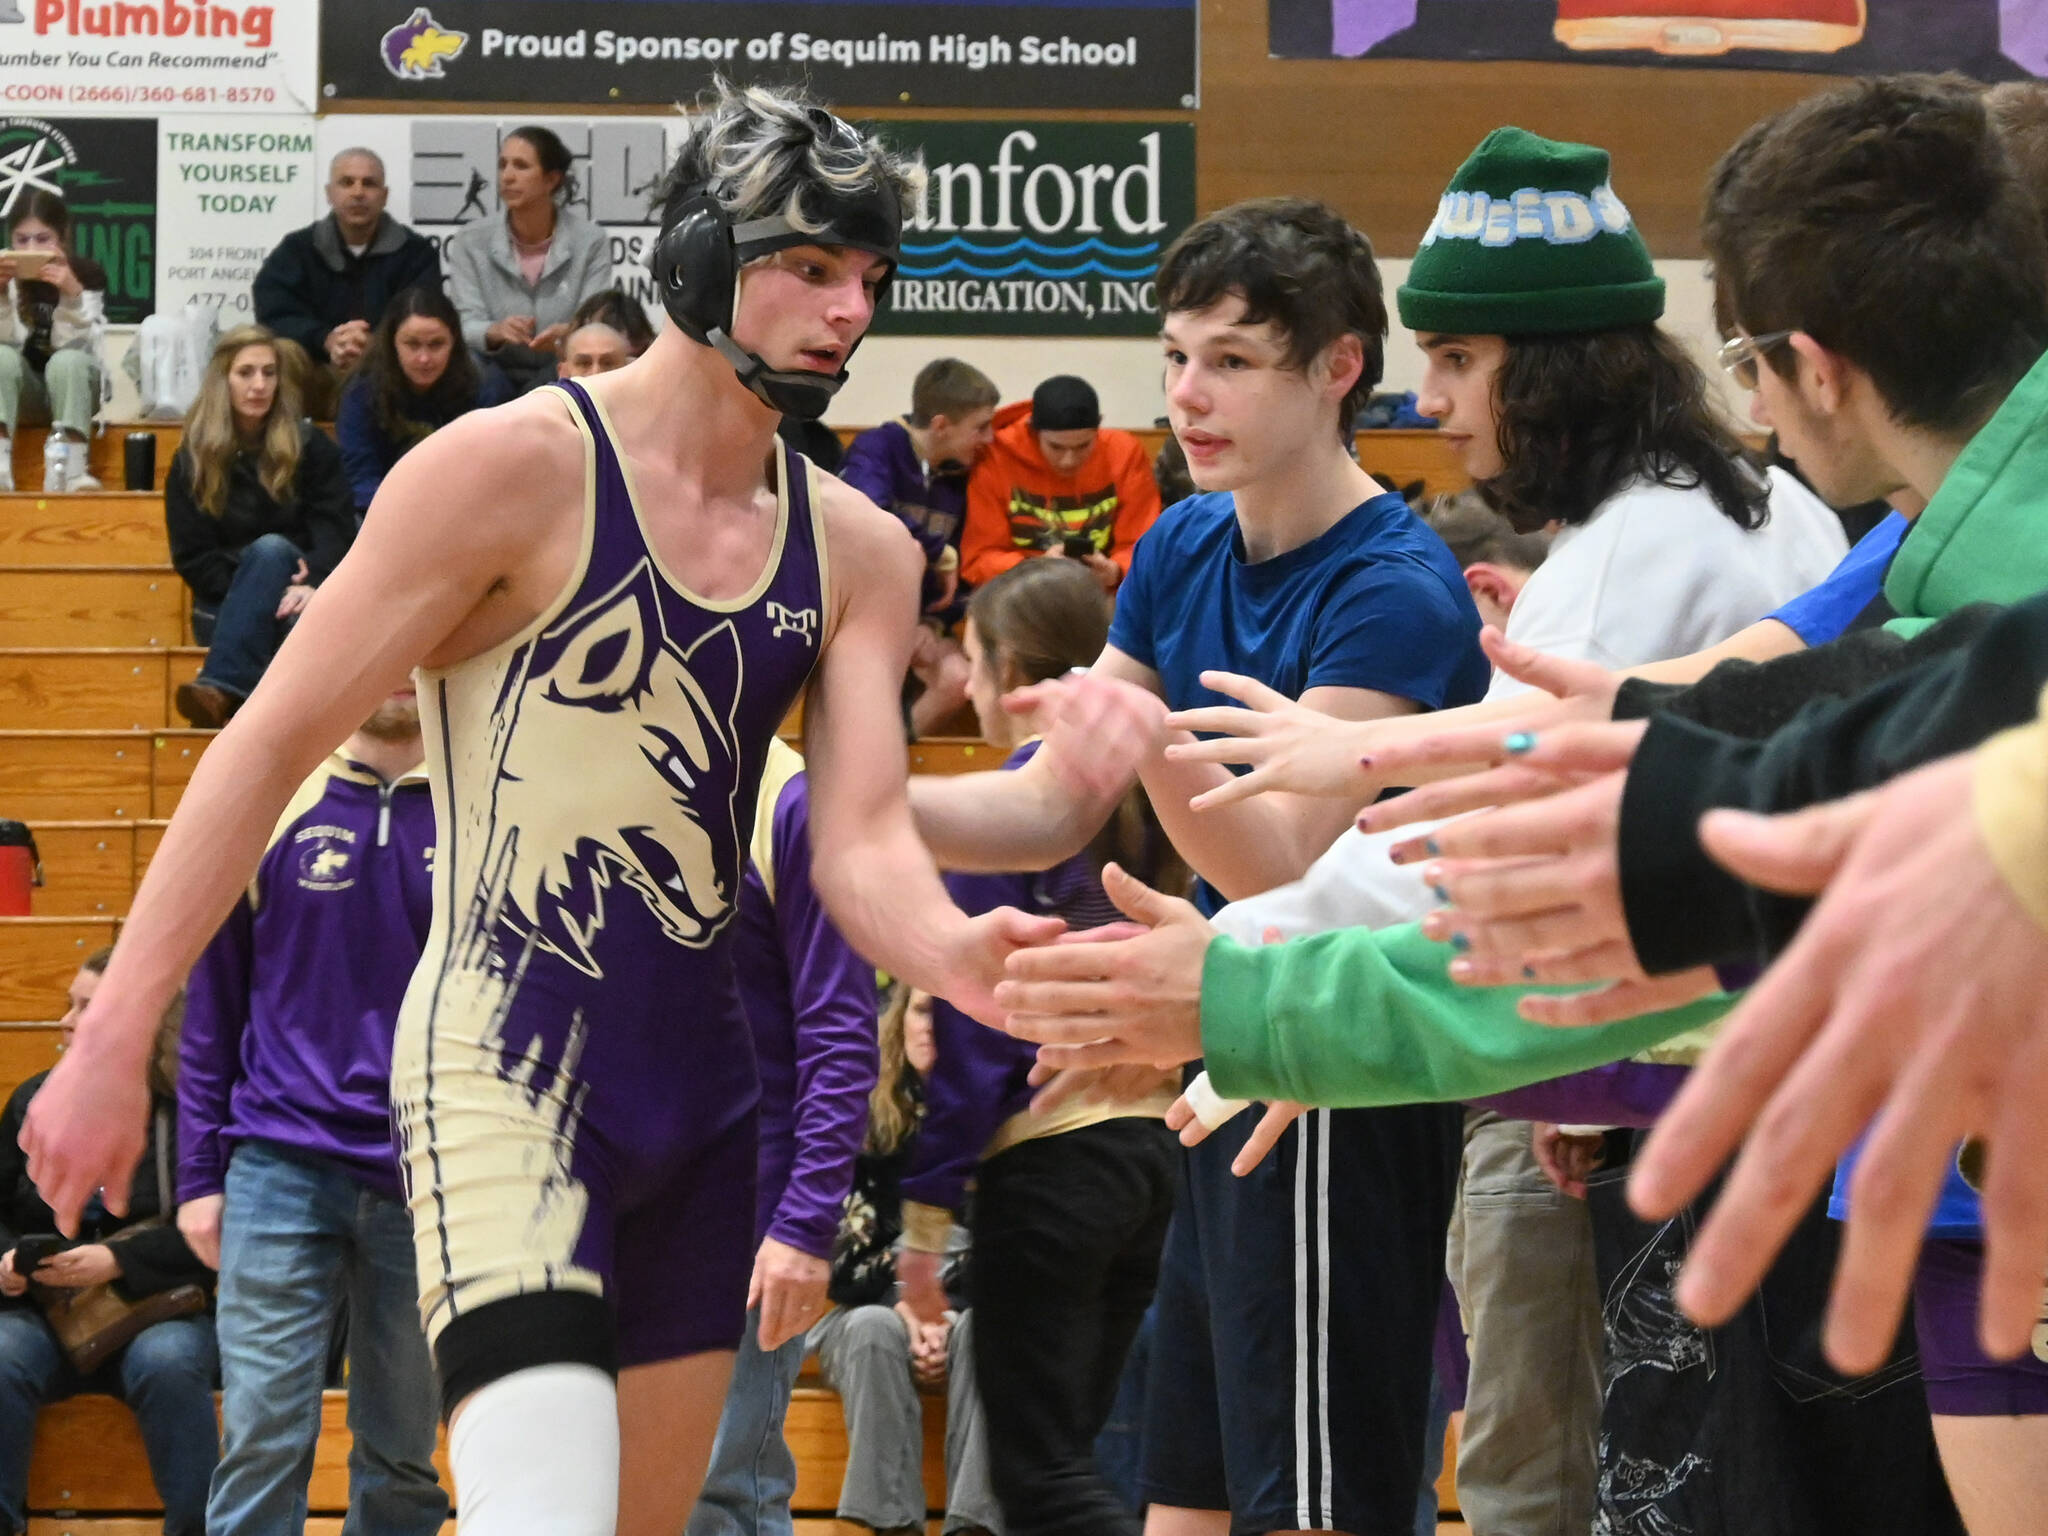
<point>287,1177</point>
<point>917,468</point>
<point>810,1003</point>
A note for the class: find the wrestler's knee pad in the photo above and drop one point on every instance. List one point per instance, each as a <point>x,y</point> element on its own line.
<point>537,1449</point>
<point>539,1328</point>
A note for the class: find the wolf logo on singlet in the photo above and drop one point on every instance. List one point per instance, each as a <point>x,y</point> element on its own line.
<point>573,1081</point>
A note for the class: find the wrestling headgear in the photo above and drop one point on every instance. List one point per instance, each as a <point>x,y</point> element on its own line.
<point>697,261</point>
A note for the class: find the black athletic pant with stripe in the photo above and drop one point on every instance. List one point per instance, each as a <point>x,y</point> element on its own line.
<point>1291,1347</point>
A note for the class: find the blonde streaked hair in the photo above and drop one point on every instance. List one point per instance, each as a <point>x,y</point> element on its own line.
<point>759,150</point>
<point>210,436</point>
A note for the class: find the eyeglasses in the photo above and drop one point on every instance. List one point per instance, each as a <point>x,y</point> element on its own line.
<point>1738,355</point>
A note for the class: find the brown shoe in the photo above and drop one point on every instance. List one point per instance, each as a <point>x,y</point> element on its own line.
<point>206,706</point>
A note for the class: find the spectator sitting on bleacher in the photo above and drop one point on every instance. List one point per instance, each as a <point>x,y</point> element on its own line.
<point>51,326</point>
<point>1057,482</point>
<point>593,348</point>
<point>326,286</point>
<point>622,312</point>
<point>288,1181</point>
<point>917,468</point>
<point>416,378</point>
<point>258,512</point>
<point>872,1350</point>
<point>518,278</point>
<point>165,1373</point>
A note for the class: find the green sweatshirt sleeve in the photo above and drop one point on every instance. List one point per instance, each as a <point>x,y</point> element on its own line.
<point>1361,1016</point>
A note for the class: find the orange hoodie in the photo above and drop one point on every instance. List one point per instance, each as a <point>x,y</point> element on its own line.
<point>1018,507</point>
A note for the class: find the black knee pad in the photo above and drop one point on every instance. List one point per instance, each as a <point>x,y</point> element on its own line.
<point>539,1328</point>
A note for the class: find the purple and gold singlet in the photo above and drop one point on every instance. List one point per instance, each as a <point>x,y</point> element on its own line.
<point>573,1082</point>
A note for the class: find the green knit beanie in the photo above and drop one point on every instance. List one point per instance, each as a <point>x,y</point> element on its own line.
<point>1530,240</point>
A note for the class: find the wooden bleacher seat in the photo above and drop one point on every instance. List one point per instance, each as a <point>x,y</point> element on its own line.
<point>83,528</point>
<point>43,954</point>
<point>95,688</point>
<point>25,1050</point>
<point>91,605</point>
<point>95,775</point>
<point>104,453</point>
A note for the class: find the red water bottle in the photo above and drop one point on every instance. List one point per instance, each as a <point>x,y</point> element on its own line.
<point>20,868</point>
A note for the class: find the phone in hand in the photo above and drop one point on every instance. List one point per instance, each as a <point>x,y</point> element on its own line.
<point>28,264</point>
<point>1078,546</point>
<point>31,1253</point>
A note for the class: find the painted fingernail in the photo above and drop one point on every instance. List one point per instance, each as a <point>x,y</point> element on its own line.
<point>1440,894</point>
<point>1528,973</point>
<point>1520,742</point>
<point>1461,942</point>
<point>1399,854</point>
<point>1429,847</point>
<point>1365,762</point>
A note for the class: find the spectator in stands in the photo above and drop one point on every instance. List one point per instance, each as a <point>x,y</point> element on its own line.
<point>622,312</point>
<point>416,378</point>
<point>1057,482</point>
<point>288,1180</point>
<point>1070,1207</point>
<point>810,1002</point>
<point>872,1349</point>
<point>326,286</point>
<point>258,511</point>
<point>917,468</point>
<point>593,348</point>
<point>165,1374</point>
<point>51,326</point>
<point>518,279</point>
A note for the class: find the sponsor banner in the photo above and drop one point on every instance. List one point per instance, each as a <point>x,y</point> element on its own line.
<point>228,190</point>
<point>1040,229</point>
<point>443,174</point>
<point>1990,39</point>
<point>157,56</point>
<point>105,170</point>
<point>941,53</point>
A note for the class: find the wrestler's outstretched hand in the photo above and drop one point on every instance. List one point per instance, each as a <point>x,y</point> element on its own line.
<point>1131,1000</point>
<point>983,943</point>
<point>85,1128</point>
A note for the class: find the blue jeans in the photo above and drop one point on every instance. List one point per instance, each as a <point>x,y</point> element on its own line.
<point>244,632</point>
<point>165,1375</point>
<point>752,1475</point>
<point>299,1234</point>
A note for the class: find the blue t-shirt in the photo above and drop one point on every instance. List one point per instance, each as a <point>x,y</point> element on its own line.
<point>1817,617</point>
<point>1827,611</point>
<point>1375,601</point>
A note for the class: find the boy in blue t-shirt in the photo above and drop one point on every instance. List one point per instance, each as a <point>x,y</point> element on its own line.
<point>1290,1363</point>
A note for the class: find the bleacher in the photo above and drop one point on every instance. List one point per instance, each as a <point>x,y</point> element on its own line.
<point>95,637</point>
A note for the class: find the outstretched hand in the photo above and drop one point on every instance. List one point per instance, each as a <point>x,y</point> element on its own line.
<point>1287,746</point>
<point>1098,730</point>
<point>1912,993</point>
<point>1128,1001</point>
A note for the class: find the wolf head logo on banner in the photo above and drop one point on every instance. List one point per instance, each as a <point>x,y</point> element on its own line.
<point>414,49</point>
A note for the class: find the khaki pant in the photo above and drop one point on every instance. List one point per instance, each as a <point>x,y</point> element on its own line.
<point>1521,1258</point>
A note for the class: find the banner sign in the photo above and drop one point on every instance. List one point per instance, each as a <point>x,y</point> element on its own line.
<point>1039,229</point>
<point>105,170</point>
<point>156,56</point>
<point>228,190</point>
<point>940,53</point>
<point>1989,39</point>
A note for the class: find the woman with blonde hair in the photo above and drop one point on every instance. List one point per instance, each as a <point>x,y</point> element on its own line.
<point>258,510</point>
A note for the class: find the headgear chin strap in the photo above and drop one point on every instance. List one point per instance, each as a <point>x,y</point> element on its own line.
<point>699,257</point>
